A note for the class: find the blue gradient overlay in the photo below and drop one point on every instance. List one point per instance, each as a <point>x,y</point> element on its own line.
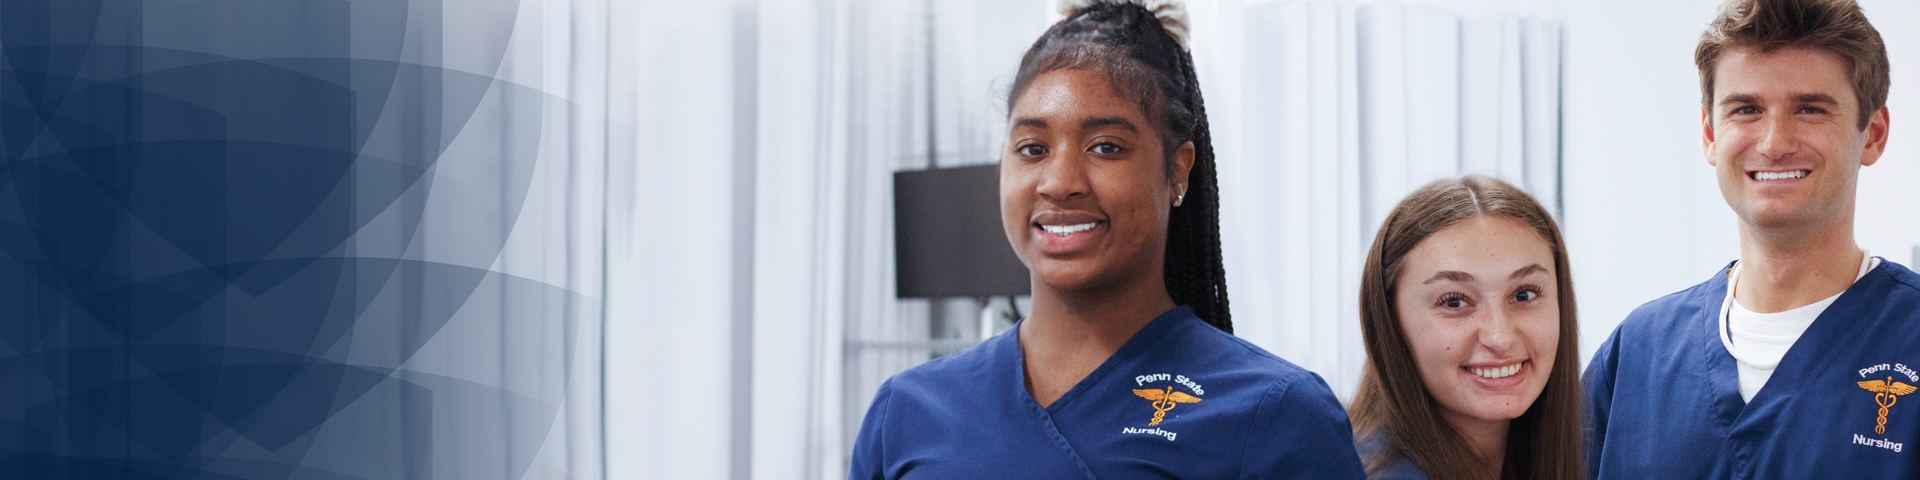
<point>242,240</point>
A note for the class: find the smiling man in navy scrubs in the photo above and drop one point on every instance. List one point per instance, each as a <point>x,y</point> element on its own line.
<point>1798,360</point>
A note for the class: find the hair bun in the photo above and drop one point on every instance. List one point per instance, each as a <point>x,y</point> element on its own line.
<point>1171,13</point>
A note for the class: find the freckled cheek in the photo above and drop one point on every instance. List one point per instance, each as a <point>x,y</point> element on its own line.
<point>1543,338</point>
<point>1439,351</point>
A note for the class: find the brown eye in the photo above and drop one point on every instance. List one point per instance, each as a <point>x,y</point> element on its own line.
<point>1106,149</point>
<point>1454,301</point>
<point>1527,294</point>
<point>1031,150</point>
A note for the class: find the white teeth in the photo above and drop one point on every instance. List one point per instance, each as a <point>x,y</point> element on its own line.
<point>1065,230</point>
<point>1500,372</point>
<point>1779,175</point>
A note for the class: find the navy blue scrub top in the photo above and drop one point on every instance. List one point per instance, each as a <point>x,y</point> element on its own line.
<point>1181,399</point>
<point>1399,469</point>
<point>1664,394</point>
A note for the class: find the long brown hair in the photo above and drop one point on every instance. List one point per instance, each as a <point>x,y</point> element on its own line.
<point>1394,407</point>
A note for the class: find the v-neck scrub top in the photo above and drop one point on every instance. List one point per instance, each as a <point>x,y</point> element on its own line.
<point>1181,399</point>
<point>1664,396</point>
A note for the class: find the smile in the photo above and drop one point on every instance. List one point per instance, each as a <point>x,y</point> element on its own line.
<point>1496,372</point>
<point>1068,230</point>
<point>1786,175</point>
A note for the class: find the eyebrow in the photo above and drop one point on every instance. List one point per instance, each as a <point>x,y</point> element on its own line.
<point>1816,98</point>
<point>1464,277</point>
<point>1030,122</point>
<point>1527,270</point>
<point>1740,98</point>
<point>1120,122</point>
<point>1461,277</point>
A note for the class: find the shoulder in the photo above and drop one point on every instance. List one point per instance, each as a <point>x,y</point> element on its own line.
<point>1907,282</point>
<point>1285,388</point>
<point>1399,468</point>
<point>1894,301</point>
<point>977,365</point>
<point>1240,354</point>
<point>1657,325</point>
<point>1286,391</point>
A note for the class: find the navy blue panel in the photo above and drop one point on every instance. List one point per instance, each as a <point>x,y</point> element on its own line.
<point>212,262</point>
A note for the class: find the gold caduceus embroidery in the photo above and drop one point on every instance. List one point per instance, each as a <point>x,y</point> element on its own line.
<point>1164,400</point>
<point>1885,392</point>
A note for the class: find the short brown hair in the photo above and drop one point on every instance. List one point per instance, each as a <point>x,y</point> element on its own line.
<point>1394,406</point>
<point>1836,26</point>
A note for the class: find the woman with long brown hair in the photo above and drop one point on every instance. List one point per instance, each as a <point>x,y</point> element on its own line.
<point>1467,309</point>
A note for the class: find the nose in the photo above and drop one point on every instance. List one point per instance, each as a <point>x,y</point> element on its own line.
<point>1777,139</point>
<point>1064,177</point>
<point>1498,331</point>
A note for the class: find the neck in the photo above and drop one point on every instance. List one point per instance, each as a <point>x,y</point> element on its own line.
<point>1093,322</point>
<point>1782,270</point>
<point>1487,439</point>
<point>1071,333</point>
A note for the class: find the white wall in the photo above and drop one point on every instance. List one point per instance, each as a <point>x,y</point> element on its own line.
<point>1644,216</point>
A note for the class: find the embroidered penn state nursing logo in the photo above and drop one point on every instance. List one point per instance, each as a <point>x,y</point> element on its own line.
<point>1887,391</point>
<point>1164,400</point>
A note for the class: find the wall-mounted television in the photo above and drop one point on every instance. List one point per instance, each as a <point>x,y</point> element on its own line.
<point>948,241</point>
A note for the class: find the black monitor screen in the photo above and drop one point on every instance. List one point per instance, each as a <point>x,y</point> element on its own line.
<point>948,241</point>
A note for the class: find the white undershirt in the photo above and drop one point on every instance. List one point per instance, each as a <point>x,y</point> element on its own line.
<point>1765,337</point>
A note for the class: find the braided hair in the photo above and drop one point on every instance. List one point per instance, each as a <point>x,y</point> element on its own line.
<point>1126,42</point>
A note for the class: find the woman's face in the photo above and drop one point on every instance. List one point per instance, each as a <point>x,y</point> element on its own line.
<point>1481,310</point>
<point>1084,192</point>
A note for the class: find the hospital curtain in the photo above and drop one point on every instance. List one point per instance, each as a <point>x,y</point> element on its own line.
<point>750,307</point>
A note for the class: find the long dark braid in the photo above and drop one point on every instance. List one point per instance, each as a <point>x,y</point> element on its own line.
<point>1127,42</point>
<point>1195,270</point>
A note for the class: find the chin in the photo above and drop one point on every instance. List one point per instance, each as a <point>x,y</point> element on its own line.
<point>1504,408</point>
<point>1065,275</point>
<point>1774,217</point>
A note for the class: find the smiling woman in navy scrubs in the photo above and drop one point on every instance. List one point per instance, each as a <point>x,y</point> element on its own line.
<point>1126,367</point>
<point>1468,312</point>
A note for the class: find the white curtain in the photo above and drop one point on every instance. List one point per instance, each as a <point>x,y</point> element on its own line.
<point>751,146</point>
<point>1326,115</point>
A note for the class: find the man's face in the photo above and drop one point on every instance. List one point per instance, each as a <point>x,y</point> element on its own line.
<point>1784,137</point>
